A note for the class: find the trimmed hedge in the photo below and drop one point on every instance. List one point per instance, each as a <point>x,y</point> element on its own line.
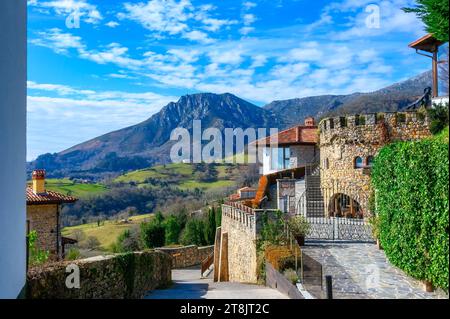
<point>412,202</point>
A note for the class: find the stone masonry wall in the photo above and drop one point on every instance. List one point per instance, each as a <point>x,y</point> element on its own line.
<point>43,219</point>
<point>187,256</point>
<point>241,229</point>
<point>345,138</point>
<point>118,276</point>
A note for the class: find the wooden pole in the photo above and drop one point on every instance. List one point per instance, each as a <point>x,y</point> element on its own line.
<point>435,73</point>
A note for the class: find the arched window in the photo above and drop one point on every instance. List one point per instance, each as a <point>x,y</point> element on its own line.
<point>369,161</point>
<point>358,162</point>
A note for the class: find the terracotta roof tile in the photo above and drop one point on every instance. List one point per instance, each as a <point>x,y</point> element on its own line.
<point>295,135</point>
<point>49,197</point>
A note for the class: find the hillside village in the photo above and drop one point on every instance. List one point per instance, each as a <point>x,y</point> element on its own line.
<point>321,207</point>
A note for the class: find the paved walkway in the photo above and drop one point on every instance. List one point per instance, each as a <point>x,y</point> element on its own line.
<point>188,285</point>
<point>361,271</point>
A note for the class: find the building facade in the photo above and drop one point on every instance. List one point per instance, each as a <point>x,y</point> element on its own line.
<point>44,215</point>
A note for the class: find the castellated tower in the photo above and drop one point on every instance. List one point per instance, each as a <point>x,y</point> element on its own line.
<point>347,148</point>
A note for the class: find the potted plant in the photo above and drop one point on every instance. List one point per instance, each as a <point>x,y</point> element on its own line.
<point>299,227</point>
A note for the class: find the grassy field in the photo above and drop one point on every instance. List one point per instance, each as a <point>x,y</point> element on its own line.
<point>68,187</point>
<point>106,233</point>
<point>183,176</point>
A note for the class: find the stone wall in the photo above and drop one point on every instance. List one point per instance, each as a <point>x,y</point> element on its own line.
<point>241,228</point>
<point>342,139</point>
<point>187,256</point>
<point>118,276</point>
<point>43,219</point>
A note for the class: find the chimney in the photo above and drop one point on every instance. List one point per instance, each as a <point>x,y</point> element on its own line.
<point>39,181</point>
<point>309,121</point>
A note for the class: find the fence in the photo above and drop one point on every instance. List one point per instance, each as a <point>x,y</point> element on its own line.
<point>339,228</point>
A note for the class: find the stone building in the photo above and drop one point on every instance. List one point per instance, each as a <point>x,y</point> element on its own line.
<point>347,148</point>
<point>44,215</point>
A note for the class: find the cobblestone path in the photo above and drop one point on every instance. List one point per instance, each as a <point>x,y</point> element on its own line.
<point>361,271</point>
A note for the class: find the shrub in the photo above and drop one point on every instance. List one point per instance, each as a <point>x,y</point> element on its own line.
<point>153,234</point>
<point>291,275</point>
<point>281,257</point>
<point>439,117</point>
<point>127,241</point>
<point>298,225</point>
<point>73,254</point>
<point>37,256</point>
<point>411,182</point>
<point>272,229</point>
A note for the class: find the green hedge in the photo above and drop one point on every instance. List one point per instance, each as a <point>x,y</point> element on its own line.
<point>412,202</point>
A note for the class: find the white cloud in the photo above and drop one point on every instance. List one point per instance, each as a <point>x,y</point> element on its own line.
<point>233,57</point>
<point>249,18</point>
<point>175,18</point>
<point>198,36</point>
<point>246,30</point>
<point>113,53</point>
<point>88,12</point>
<point>164,16</point>
<point>58,41</point>
<point>90,113</point>
<point>112,24</point>
<point>247,5</point>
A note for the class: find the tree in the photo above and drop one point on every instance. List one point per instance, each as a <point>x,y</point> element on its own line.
<point>210,227</point>
<point>159,218</point>
<point>127,241</point>
<point>173,230</point>
<point>194,232</point>
<point>219,216</point>
<point>434,13</point>
<point>153,234</point>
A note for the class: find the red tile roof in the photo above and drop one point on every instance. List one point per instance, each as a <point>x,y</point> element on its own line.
<point>301,134</point>
<point>48,198</point>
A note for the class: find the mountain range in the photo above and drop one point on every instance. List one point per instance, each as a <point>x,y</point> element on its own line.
<point>148,143</point>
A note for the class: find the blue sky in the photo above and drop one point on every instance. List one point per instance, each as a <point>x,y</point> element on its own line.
<point>127,59</point>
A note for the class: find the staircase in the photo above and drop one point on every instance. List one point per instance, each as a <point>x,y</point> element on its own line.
<point>313,193</point>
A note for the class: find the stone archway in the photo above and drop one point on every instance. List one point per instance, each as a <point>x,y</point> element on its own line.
<point>343,205</point>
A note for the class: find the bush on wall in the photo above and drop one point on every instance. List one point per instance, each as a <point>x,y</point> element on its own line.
<point>411,183</point>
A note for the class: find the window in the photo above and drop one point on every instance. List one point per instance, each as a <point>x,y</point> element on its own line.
<point>369,161</point>
<point>358,162</point>
<point>280,158</point>
<point>326,163</point>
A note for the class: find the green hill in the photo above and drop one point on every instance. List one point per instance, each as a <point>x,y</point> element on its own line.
<point>76,189</point>
<point>186,176</point>
<point>106,233</point>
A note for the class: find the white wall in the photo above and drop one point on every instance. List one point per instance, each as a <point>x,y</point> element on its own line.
<point>300,156</point>
<point>13,75</point>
